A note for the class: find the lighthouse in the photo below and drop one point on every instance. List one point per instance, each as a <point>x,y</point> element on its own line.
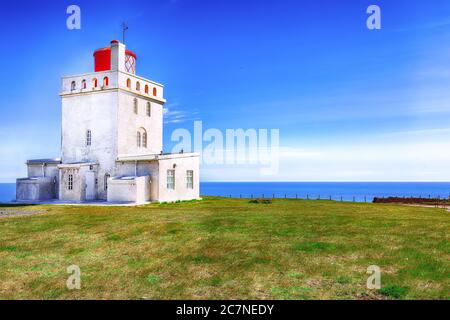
<point>112,141</point>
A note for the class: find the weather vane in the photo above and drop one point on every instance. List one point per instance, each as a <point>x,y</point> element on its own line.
<point>124,30</point>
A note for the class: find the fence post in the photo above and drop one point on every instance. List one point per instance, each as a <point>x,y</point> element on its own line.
<point>330,198</point>
<point>296,196</point>
<point>341,198</point>
<point>263,195</point>
<point>307,197</point>
<point>353,198</point>
<point>365,200</point>
<point>273,196</point>
<point>285,196</point>
<point>252,196</point>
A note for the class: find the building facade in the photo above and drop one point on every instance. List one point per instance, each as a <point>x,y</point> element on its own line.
<point>112,141</point>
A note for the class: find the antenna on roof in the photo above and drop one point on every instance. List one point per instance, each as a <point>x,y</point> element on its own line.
<point>124,30</point>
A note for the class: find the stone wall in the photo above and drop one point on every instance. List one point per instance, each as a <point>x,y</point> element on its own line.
<point>35,189</point>
<point>129,189</point>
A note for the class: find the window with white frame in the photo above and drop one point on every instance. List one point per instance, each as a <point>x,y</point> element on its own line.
<point>190,179</point>
<point>149,109</point>
<point>88,137</point>
<point>70,182</point>
<point>171,179</point>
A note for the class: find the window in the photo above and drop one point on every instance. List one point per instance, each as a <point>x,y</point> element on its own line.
<point>73,86</point>
<point>146,88</point>
<point>190,179</point>
<point>171,179</point>
<point>105,183</point>
<point>144,140</point>
<point>105,81</point>
<point>128,83</point>
<point>70,182</point>
<point>130,63</point>
<point>83,84</point>
<point>88,137</point>
<point>94,83</point>
<point>154,92</point>
<point>135,105</point>
<point>138,86</point>
<point>149,109</point>
<point>141,138</point>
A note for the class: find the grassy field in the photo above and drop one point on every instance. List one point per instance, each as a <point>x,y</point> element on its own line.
<point>226,249</point>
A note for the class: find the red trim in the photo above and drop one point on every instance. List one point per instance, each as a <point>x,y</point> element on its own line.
<point>131,53</point>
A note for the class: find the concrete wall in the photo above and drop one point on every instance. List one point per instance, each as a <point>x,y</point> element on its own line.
<point>78,192</point>
<point>181,192</point>
<point>96,112</point>
<point>133,189</point>
<point>49,170</point>
<point>41,188</point>
<point>130,123</point>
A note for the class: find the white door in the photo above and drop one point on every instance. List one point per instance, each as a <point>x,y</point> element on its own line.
<point>90,186</point>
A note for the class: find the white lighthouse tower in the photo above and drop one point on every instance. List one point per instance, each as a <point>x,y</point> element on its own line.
<point>111,141</point>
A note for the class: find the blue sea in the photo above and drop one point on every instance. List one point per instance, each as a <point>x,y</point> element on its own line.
<point>349,191</point>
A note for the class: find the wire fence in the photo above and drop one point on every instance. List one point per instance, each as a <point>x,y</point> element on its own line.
<point>431,200</point>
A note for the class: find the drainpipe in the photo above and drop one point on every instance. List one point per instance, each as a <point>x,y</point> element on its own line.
<point>43,170</point>
<point>135,168</point>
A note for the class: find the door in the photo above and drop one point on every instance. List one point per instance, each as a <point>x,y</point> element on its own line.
<point>90,186</point>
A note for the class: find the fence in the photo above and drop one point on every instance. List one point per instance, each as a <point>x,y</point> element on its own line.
<point>437,201</point>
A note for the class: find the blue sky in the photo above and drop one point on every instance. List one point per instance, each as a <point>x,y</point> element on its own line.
<point>351,104</point>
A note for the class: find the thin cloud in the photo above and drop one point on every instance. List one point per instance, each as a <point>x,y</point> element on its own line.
<point>173,114</point>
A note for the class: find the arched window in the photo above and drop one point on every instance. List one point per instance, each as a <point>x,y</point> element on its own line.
<point>88,138</point>
<point>138,139</point>
<point>128,83</point>
<point>149,109</point>
<point>141,138</point>
<point>94,82</point>
<point>146,89</point>
<point>138,86</point>
<point>105,183</point>
<point>83,84</point>
<point>105,81</point>
<point>135,105</point>
<point>154,92</point>
<point>73,85</point>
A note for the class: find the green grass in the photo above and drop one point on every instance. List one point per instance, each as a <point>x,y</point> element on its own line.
<point>227,249</point>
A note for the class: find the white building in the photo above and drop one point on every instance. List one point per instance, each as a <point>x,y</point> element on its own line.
<point>111,148</point>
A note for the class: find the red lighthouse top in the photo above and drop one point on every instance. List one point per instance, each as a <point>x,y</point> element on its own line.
<point>102,59</point>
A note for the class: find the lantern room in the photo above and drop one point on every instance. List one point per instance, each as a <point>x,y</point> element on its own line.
<point>115,57</point>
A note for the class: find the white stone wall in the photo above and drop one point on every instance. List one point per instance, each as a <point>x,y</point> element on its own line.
<point>34,189</point>
<point>130,123</point>
<point>135,189</point>
<point>181,192</point>
<point>78,192</point>
<point>96,112</point>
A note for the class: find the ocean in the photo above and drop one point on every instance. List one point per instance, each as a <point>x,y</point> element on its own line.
<point>349,191</point>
